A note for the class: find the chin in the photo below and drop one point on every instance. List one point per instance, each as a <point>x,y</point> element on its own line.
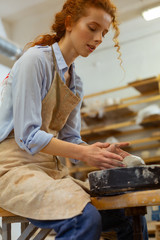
<point>84,54</point>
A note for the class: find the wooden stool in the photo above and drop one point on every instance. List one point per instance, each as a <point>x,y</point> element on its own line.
<point>134,203</point>
<point>27,229</point>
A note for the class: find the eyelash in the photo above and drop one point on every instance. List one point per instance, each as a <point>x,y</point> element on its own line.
<point>93,30</point>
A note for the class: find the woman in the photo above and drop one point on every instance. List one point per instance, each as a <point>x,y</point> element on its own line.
<point>41,120</point>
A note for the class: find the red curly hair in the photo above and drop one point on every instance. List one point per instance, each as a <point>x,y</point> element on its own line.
<point>76,9</point>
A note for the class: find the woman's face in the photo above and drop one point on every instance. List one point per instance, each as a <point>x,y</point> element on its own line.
<point>88,33</point>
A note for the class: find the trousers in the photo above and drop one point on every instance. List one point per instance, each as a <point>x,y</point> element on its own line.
<point>91,223</point>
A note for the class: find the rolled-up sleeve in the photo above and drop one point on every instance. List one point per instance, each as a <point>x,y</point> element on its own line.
<point>26,92</point>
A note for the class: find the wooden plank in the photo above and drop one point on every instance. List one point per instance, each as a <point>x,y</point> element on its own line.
<point>104,135</point>
<point>150,160</point>
<point>28,232</point>
<point>140,148</point>
<point>117,125</point>
<point>139,96</point>
<point>124,105</point>
<point>4,213</point>
<point>144,81</point>
<point>132,84</point>
<point>14,219</point>
<point>144,140</point>
<point>106,128</point>
<point>159,87</point>
<point>101,135</point>
<point>132,199</point>
<point>24,225</point>
<point>147,87</point>
<point>42,234</point>
<point>104,92</point>
<point>6,230</point>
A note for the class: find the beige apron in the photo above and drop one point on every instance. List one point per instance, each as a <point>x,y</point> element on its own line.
<point>39,186</point>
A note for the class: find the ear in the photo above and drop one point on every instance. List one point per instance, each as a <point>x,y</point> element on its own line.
<point>68,23</point>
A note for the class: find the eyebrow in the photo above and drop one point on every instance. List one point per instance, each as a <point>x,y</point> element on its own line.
<point>105,30</point>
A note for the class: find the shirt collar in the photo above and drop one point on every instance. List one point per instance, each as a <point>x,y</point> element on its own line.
<point>62,65</point>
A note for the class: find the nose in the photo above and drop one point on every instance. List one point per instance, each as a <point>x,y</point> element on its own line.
<point>98,38</point>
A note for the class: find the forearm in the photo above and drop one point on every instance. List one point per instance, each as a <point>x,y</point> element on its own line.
<point>94,155</point>
<point>83,144</point>
<point>64,149</point>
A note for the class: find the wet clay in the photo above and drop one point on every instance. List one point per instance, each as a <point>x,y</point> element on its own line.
<point>132,161</point>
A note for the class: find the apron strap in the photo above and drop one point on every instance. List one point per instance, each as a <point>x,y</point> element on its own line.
<point>54,59</point>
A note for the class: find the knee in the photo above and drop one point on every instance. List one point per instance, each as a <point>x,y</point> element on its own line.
<point>92,216</point>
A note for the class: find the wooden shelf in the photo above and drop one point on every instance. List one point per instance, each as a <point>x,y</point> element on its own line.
<point>153,121</point>
<point>148,84</point>
<point>131,84</point>
<point>148,121</point>
<point>120,121</point>
<point>152,160</point>
<point>145,140</point>
<point>125,105</point>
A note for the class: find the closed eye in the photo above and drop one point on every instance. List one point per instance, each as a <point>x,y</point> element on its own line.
<point>92,29</point>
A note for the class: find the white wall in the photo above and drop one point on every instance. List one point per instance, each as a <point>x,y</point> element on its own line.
<point>33,24</point>
<point>140,47</point>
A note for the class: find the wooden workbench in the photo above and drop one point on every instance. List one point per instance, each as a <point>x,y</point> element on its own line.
<point>134,203</point>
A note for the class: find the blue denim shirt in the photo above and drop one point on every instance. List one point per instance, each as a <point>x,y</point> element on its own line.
<point>22,93</point>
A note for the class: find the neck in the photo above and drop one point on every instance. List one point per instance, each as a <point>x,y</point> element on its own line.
<point>67,50</point>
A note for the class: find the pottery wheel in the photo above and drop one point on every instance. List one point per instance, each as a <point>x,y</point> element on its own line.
<point>119,180</point>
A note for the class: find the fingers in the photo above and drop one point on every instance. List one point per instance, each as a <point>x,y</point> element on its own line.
<point>107,167</point>
<point>103,158</point>
<point>123,153</point>
<point>112,155</point>
<point>102,145</point>
<point>111,164</point>
<point>122,144</point>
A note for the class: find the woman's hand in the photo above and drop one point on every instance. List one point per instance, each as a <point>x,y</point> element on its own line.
<point>116,148</point>
<point>98,156</point>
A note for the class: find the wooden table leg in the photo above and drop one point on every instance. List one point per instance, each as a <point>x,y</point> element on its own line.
<point>157,232</point>
<point>6,231</point>
<point>136,213</point>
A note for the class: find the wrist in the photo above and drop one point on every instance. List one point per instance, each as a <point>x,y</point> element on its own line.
<point>79,152</point>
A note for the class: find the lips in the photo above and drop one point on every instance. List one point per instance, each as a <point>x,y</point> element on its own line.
<point>91,47</point>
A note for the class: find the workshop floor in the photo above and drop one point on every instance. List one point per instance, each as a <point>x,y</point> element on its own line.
<point>52,238</point>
